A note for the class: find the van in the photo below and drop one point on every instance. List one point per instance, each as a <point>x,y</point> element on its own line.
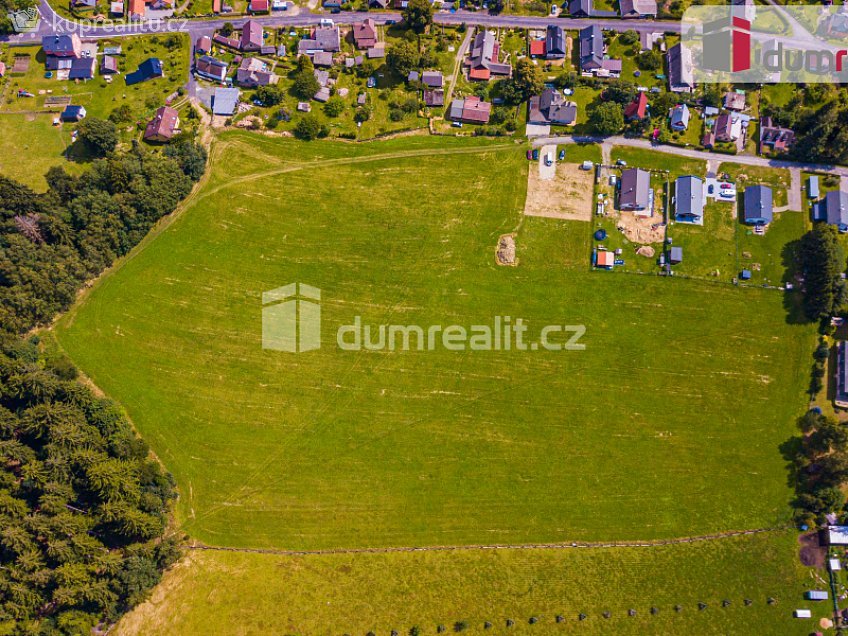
<point>326,22</point>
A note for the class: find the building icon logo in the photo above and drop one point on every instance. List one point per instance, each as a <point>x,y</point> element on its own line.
<point>291,318</point>
<point>727,45</point>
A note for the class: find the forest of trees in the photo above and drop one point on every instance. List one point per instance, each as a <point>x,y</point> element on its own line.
<point>83,505</point>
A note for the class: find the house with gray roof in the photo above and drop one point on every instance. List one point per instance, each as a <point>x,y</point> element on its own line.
<point>681,74</point>
<point>483,61</point>
<point>836,209</point>
<point>321,39</point>
<point>592,53</point>
<point>580,8</point>
<point>432,79</point>
<point>689,199</point>
<point>638,8</point>
<point>679,117</point>
<point>634,189</point>
<point>552,108</point>
<point>554,42</point>
<point>757,205</point>
<point>224,101</point>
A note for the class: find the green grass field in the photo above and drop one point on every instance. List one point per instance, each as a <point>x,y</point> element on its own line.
<point>30,145</point>
<point>230,593</point>
<point>668,424</point>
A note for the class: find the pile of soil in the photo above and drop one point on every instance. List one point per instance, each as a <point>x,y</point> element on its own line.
<point>812,553</point>
<point>645,250</point>
<point>506,250</point>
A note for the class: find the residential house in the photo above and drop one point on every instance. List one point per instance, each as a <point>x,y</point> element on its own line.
<point>211,68</point>
<point>551,108</point>
<point>150,69</point>
<point>634,189</point>
<point>483,61</point>
<point>73,113</point>
<point>73,67</point>
<point>734,101</point>
<point>224,101</point>
<point>841,400</point>
<point>592,49</point>
<point>434,98</point>
<point>471,110</point>
<point>378,4</point>
<point>108,65</point>
<point>259,6</point>
<point>675,255</point>
<point>230,43</point>
<point>757,205</point>
<point>203,45</point>
<point>637,110</point>
<point>775,138</point>
<point>2,69</point>
<point>555,47</point>
<point>321,39</point>
<point>252,37</point>
<point>680,70</point>
<point>689,199</point>
<point>116,9</point>
<point>365,34</point>
<point>253,72</point>
<point>728,127</point>
<point>638,8</point>
<point>580,8</point>
<point>679,118</point>
<point>836,209</point>
<point>432,79</point>
<point>136,10</point>
<point>62,45</point>
<point>163,125</point>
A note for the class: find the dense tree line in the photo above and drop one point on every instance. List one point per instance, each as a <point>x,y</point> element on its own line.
<point>81,501</point>
<point>51,243</point>
<point>83,505</point>
<point>822,266</point>
<point>821,464</point>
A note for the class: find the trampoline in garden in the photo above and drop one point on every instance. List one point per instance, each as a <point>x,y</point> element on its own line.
<point>600,235</point>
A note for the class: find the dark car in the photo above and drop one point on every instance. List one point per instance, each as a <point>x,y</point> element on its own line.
<point>535,153</point>
<point>529,155</point>
<point>561,155</point>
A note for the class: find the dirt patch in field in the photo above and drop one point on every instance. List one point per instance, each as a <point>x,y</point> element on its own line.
<point>811,552</point>
<point>641,230</point>
<point>21,64</point>
<point>505,253</point>
<point>567,196</point>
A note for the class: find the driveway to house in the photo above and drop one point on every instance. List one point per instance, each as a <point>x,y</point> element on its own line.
<point>547,172</point>
<point>457,69</point>
<point>691,153</point>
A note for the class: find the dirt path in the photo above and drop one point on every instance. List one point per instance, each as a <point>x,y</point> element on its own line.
<point>497,546</point>
<point>460,56</point>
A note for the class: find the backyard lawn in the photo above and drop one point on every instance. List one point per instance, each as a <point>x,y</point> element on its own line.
<point>30,145</point>
<point>647,433</point>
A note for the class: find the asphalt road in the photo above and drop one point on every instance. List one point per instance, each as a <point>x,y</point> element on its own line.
<point>53,23</point>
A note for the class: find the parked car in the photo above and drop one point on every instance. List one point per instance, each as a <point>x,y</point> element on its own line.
<point>562,154</point>
<point>535,154</point>
<point>457,124</point>
<point>727,195</point>
<point>620,162</point>
<point>326,22</point>
<point>549,159</point>
<point>529,155</point>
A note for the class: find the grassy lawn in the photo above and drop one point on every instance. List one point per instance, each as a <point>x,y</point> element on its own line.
<point>30,145</point>
<point>709,250</point>
<point>355,594</point>
<point>99,97</point>
<point>373,448</point>
<point>746,176</point>
<point>649,159</point>
<point>771,257</point>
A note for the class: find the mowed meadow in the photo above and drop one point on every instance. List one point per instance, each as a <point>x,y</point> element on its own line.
<point>669,424</point>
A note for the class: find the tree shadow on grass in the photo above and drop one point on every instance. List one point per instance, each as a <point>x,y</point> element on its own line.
<point>792,300</point>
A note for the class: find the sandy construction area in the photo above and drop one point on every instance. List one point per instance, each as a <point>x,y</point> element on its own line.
<point>566,196</point>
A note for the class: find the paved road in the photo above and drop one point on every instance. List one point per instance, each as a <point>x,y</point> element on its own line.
<point>692,153</point>
<point>53,23</point>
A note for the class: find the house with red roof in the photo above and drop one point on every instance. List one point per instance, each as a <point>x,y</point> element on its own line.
<point>163,125</point>
<point>471,110</point>
<point>537,48</point>
<point>638,108</point>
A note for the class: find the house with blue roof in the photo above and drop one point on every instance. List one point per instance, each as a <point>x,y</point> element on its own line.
<point>73,113</point>
<point>758,206</point>
<point>149,69</point>
<point>835,206</point>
